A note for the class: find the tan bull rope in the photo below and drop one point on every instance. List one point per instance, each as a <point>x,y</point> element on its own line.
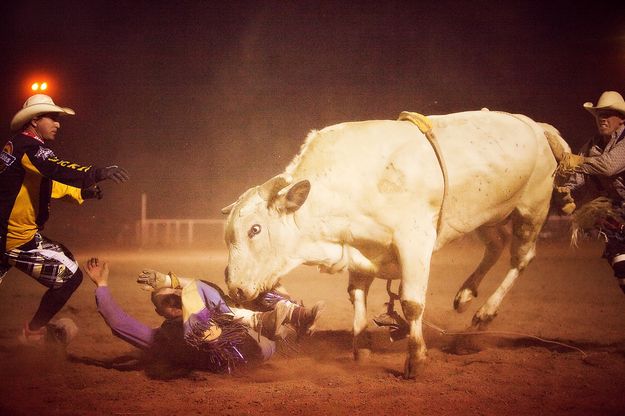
<point>505,333</point>
<point>425,126</point>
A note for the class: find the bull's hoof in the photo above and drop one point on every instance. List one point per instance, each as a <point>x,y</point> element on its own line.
<point>482,319</point>
<point>362,355</point>
<point>362,346</point>
<point>462,300</point>
<point>412,367</point>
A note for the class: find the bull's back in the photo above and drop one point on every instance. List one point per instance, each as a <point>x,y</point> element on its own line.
<point>496,162</point>
<point>388,169</point>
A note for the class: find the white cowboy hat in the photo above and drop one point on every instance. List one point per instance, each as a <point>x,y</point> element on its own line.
<point>609,100</point>
<point>35,105</point>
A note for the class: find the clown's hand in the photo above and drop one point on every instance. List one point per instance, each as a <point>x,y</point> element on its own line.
<point>151,280</point>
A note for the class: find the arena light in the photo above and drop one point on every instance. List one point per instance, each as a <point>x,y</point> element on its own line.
<point>39,86</point>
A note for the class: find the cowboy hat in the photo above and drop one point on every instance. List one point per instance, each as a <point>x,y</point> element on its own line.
<point>609,100</point>
<point>34,106</point>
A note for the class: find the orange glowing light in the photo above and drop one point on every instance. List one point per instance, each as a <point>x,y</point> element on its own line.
<point>39,86</point>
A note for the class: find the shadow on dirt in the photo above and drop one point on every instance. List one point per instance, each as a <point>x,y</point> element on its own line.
<point>126,362</point>
<point>336,346</point>
<point>153,368</point>
<point>457,344</point>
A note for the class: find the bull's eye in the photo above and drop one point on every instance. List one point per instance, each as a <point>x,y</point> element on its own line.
<point>254,229</point>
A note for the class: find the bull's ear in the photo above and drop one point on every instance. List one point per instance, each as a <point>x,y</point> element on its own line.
<point>296,196</point>
<point>269,189</point>
<point>228,209</point>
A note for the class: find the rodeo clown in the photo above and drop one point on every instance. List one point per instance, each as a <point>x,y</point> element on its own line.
<point>599,168</point>
<point>30,175</point>
<point>201,331</point>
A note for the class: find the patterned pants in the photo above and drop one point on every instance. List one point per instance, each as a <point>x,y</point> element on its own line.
<point>46,261</point>
<point>52,265</point>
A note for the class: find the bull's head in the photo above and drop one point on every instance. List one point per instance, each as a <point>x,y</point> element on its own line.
<point>261,236</point>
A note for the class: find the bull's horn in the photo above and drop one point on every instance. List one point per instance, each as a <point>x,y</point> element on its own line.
<point>273,186</point>
<point>226,210</point>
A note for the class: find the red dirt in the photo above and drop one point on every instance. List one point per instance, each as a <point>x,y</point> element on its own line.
<point>566,295</point>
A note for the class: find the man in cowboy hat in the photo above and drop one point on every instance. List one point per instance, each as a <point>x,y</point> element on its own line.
<point>601,164</point>
<point>202,328</point>
<point>30,175</point>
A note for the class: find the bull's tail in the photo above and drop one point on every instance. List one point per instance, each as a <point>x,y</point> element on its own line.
<point>562,153</point>
<point>567,161</point>
<point>557,144</point>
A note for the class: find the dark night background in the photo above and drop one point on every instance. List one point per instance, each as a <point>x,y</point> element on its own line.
<point>200,100</point>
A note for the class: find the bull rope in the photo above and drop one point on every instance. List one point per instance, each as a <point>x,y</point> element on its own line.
<point>509,333</point>
<point>425,126</point>
<point>394,296</point>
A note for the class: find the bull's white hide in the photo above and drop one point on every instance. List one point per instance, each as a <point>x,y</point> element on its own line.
<point>366,196</point>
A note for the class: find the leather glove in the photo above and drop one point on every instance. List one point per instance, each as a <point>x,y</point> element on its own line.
<point>571,161</point>
<point>114,173</point>
<point>153,279</point>
<point>93,192</point>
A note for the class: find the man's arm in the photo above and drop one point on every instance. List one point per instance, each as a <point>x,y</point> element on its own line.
<point>575,179</point>
<point>42,161</point>
<point>608,163</point>
<point>122,325</point>
<point>72,194</point>
<point>66,192</point>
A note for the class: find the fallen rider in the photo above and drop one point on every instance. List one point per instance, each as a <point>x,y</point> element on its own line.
<point>200,330</point>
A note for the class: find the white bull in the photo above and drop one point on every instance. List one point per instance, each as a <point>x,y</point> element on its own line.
<point>366,197</point>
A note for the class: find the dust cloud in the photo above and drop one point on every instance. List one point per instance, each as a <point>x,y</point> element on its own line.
<point>201,102</point>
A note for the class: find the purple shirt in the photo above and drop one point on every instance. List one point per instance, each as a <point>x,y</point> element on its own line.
<point>123,325</point>
<point>142,336</point>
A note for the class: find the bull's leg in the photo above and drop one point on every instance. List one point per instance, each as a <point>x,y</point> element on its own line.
<point>415,253</point>
<point>495,239</point>
<point>525,229</point>
<point>358,289</point>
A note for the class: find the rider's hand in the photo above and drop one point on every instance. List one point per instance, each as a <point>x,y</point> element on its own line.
<point>97,271</point>
<point>152,279</point>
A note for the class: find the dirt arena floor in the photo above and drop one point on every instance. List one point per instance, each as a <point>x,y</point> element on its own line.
<point>566,296</point>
